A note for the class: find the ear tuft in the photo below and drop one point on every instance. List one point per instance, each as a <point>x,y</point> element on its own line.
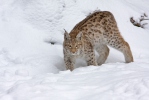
<point>66,35</point>
<point>65,31</point>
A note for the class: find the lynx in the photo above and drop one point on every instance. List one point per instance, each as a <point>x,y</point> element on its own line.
<point>95,32</point>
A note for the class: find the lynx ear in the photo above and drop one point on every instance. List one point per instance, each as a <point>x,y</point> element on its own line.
<point>66,35</point>
<point>79,36</point>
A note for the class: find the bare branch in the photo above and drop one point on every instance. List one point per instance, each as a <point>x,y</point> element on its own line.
<point>139,24</point>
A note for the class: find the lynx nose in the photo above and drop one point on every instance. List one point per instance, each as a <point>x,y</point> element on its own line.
<point>73,50</point>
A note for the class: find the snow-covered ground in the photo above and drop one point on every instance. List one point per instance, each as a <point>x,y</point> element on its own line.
<point>33,69</point>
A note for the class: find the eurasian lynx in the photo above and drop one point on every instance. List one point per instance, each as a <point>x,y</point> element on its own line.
<point>96,31</point>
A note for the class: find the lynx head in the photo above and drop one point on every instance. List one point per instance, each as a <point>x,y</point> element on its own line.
<point>73,42</point>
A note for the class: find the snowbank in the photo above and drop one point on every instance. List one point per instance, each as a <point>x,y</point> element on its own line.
<point>33,69</point>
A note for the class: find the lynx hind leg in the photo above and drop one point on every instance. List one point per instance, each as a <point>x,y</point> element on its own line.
<point>103,51</point>
<point>121,45</point>
<point>127,53</point>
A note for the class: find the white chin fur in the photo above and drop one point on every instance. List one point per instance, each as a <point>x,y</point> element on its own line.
<point>75,53</point>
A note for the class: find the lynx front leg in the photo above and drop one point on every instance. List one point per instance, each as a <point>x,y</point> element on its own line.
<point>90,58</point>
<point>69,62</point>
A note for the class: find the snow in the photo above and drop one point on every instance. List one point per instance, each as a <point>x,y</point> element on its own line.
<point>33,69</point>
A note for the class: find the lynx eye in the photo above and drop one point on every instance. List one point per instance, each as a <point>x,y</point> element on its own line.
<point>70,46</point>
